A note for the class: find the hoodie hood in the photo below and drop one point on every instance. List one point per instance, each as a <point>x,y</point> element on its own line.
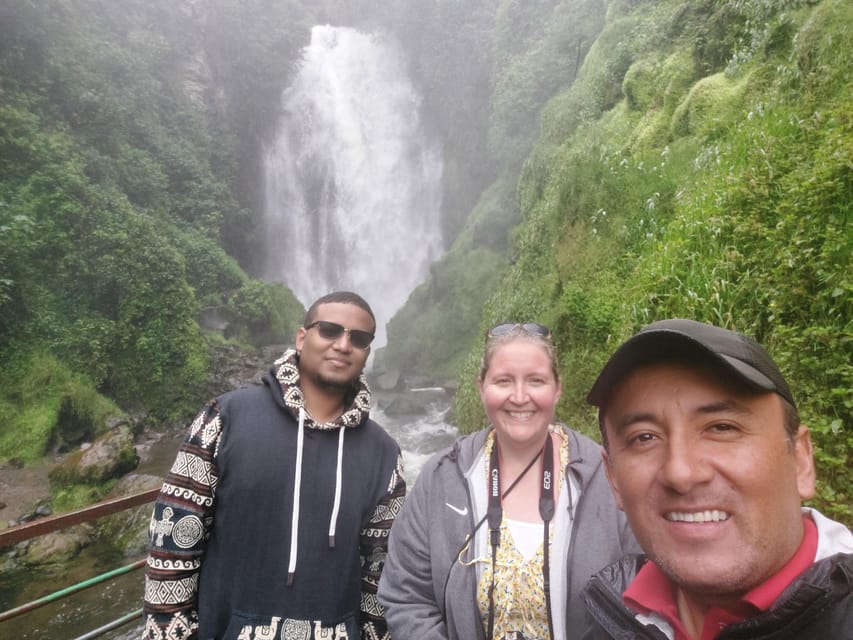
<point>285,371</point>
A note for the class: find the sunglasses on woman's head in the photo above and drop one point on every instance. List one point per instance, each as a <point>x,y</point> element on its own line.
<point>332,331</point>
<point>533,328</point>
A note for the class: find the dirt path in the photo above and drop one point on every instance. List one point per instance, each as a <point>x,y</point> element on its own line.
<point>21,489</point>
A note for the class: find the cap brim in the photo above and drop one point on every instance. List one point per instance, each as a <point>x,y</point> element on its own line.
<point>649,347</point>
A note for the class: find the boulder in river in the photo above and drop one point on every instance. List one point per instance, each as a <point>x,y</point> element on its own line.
<point>127,530</point>
<point>110,456</point>
<point>54,548</point>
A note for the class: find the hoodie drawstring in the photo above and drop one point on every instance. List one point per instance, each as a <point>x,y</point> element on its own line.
<point>333,522</point>
<point>297,486</point>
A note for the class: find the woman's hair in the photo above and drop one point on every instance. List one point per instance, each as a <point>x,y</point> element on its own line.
<point>518,333</point>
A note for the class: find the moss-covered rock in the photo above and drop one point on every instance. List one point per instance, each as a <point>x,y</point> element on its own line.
<point>55,548</point>
<point>711,105</point>
<point>128,531</point>
<point>110,456</point>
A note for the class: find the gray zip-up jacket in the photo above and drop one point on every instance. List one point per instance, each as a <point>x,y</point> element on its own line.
<point>429,595</point>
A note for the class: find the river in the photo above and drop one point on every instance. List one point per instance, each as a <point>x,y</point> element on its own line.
<point>80,613</point>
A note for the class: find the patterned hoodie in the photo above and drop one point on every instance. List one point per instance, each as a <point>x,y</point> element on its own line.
<point>271,525</point>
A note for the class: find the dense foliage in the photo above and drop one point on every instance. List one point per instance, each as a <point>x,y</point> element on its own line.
<point>116,182</point>
<point>701,166</point>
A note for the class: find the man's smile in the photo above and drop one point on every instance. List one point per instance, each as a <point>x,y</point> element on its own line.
<point>710,515</point>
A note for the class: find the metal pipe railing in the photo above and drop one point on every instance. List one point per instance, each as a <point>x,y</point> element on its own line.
<point>29,530</point>
<point>67,591</point>
<point>115,624</point>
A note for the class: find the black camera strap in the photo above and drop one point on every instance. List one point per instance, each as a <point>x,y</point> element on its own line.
<point>494,515</point>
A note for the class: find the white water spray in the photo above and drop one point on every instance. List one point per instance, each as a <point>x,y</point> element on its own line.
<point>352,183</point>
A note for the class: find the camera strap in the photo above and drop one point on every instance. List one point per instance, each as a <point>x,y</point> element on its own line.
<point>494,515</point>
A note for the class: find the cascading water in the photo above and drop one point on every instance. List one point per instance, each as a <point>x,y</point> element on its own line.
<point>352,182</point>
<point>352,202</point>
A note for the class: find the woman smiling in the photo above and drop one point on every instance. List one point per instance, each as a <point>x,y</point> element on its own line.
<point>504,528</point>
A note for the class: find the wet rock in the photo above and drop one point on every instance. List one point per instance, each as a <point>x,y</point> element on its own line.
<point>110,456</point>
<point>55,548</point>
<point>389,380</point>
<point>115,422</point>
<point>42,510</point>
<point>400,406</point>
<point>74,428</point>
<point>128,530</point>
<point>233,367</point>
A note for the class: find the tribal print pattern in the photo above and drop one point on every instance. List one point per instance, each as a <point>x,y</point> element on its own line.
<point>180,627</point>
<point>374,549</point>
<point>168,591</point>
<point>179,528</point>
<point>195,467</point>
<point>289,629</point>
<point>287,373</point>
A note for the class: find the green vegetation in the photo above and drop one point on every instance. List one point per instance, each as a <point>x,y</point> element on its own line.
<point>532,50</point>
<point>607,164</point>
<point>714,184</point>
<point>77,496</point>
<point>117,181</point>
<point>445,311</point>
<point>35,389</point>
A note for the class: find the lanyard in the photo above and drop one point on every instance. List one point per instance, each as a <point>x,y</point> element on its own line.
<point>494,515</point>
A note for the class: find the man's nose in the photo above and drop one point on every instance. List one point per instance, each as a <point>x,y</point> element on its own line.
<point>343,342</point>
<point>685,464</point>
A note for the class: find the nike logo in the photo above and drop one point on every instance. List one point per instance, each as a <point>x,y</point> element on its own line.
<point>461,512</point>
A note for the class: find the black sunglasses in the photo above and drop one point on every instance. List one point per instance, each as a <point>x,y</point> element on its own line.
<point>533,328</point>
<point>332,331</point>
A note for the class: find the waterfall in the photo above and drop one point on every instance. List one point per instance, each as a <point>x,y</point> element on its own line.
<point>352,183</point>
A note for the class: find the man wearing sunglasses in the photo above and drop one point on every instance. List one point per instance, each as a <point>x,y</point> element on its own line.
<point>274,520</point>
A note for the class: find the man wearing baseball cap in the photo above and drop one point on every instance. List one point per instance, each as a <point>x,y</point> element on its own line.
<point>706,456</point>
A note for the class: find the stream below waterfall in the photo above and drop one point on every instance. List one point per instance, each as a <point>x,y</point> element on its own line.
<point>80,613</point>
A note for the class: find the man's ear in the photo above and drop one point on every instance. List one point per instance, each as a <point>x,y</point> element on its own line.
<point>804,459</point>
<point>611,477</point>
<point>300,338</point>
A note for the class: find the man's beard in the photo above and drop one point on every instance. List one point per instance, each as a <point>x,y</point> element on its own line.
<point>727,589</point>
<point>334,384</point>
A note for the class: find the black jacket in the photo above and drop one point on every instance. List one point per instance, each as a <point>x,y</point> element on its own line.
<point>818,605</point>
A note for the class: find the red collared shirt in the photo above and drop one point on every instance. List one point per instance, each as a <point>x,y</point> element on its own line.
<point>651,591</point>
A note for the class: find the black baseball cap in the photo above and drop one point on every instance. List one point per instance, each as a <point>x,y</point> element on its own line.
<point>737,353</point>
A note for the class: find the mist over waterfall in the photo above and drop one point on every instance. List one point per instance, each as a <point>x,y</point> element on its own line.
<point>352,184</point>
